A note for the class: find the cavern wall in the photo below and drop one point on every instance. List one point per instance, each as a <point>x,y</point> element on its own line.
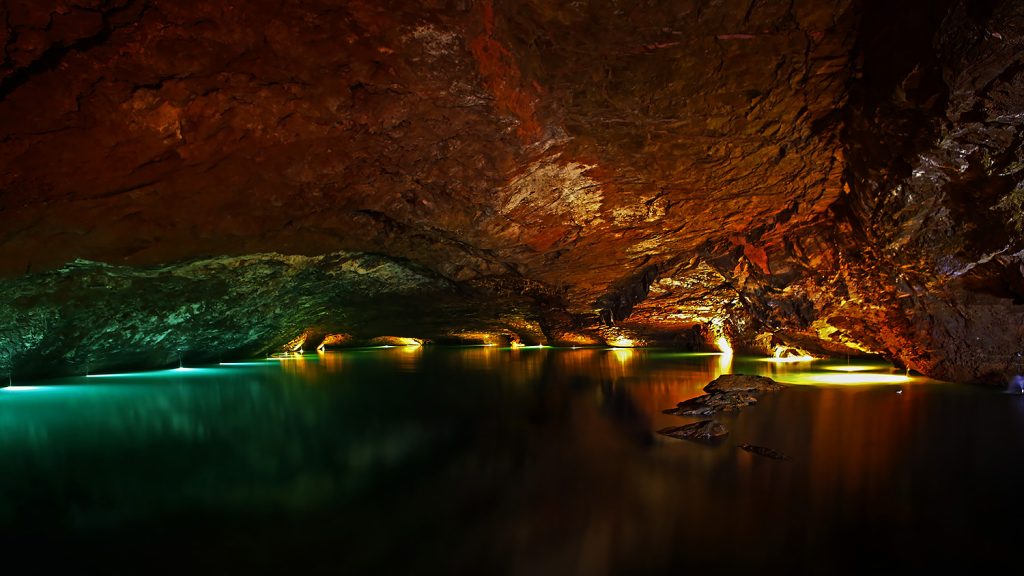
<point>839,176</point>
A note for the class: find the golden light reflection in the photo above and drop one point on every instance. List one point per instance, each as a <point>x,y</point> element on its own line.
<point>855,378</point>
<point>332,361</point>
<point>623,355</point>
<point>850,368</point>
<point>723,344</point>
<point>725,363</point>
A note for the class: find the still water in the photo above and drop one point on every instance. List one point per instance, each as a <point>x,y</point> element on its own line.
<point>496,461</point>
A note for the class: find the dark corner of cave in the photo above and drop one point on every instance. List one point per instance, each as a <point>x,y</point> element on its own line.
<point>322,249</point>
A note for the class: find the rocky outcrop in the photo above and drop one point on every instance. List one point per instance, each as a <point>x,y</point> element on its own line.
<point>764,451</point>
<point>842,177</point>
<point>90,317</point>
<point>711,404</point>
<point>739,383</point>
<point>920,257</point>
<point>706,431</point>
<point>727,393</point>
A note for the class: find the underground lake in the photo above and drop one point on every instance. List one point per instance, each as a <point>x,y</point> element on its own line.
<point>489,460</point>
<point>511,287</point>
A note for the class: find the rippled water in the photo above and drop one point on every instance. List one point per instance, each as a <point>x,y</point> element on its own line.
<point>496,461</point>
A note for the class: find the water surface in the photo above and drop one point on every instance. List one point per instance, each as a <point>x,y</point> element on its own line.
<point>495,461</point>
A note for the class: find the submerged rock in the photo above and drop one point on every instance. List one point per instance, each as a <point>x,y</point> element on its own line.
<point>763,451</point>
<point>707,431</point>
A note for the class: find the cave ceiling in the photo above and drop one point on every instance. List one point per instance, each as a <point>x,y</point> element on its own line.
<point>215,178</point>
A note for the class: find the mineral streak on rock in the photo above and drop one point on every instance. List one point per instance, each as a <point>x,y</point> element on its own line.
<point>706,431</point>
<point>841,177</point>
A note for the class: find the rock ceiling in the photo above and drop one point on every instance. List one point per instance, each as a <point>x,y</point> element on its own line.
<point>213,178</point>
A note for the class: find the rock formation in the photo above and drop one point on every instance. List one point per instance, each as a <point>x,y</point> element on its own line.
<point>706,431</point>
<point>210,178</point>
<point>727,393</point>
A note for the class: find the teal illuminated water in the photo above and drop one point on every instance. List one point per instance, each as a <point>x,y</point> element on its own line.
<point>497,461</point>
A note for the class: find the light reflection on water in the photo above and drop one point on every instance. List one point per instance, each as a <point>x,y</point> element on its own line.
<point>506,461</point>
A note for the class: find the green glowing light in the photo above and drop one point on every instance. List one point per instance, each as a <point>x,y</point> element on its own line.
<point>857,378</point>
<point>173,372</point>
<point>851,368</point>
<point>860,378</point>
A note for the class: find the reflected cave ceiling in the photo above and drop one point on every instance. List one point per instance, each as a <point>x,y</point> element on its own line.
<point>215,178</point>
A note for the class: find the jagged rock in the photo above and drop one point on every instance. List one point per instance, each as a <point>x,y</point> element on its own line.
<point>91,317</point>
<point>727,393</point>
<point>763,451</point>
<point>711,404</point>
<point>707,431</point>
<point>729,383</point>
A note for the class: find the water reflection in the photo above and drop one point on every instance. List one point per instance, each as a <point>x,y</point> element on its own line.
<point>526,461</point>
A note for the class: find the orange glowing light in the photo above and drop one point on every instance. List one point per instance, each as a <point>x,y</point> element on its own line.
<point>295,345</point>
<point>789,359</point>
<point>388,341</point>
<point>333,340</point>
<point>787,354</point>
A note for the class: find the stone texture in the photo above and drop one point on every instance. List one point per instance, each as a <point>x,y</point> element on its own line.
<point>732,383</point>
<point>727,393</point>
<point>711,404</point>
<point>764,451</point>
<point>89,317</point>
<point>842,177</point>
<point>706,431</point>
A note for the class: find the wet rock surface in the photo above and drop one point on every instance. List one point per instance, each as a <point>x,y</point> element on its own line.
<point>764,451</point>
<point>735,383</point>
<point>705,431</point>
<point>844,177</point>
<point>727,393</point>
<point>711,404</point>
<point>89,317</point>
